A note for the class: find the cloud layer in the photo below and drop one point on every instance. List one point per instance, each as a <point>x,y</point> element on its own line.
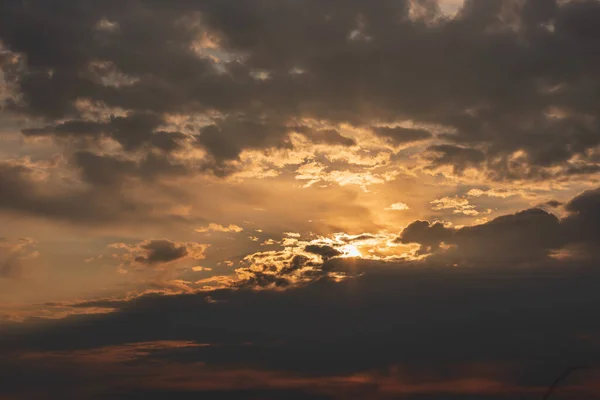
<point>389,199</point>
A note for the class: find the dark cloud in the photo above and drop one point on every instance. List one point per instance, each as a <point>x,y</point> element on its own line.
<point>526,236</point>
<point>432,323</point>
<point>324,251</point>
<point>582,225</point>
<point>24,193</point>
<point>227,138</point>
<point>553,203</point>
<point>327,136</point>
<point>458,157</point>
<point>401,135</point>
<point>509,81</point>
<point>158,254</point>
<point>159,251</point>
<point>429,236</point>
<point>103,170</point>
<point>131,131</point>
<point>108,170</point>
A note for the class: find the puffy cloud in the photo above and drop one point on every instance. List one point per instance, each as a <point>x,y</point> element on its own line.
<point>398,207</point>
<point>458,205</point>
<point>429,236</point>
<point>528,236</point>
<point>275,114</point>
<point>158,252</point>
<point>212,227</point>
<point>131,131</point>
<point>490,109</point>
<point>324,251</point>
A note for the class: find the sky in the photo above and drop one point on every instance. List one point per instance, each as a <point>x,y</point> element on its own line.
<point>299,199</point>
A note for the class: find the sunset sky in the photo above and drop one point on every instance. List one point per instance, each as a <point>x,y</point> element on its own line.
<point>299,199</point>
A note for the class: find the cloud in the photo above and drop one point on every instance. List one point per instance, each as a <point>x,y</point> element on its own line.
<point>156,116</point>
<point>489,111</point>
<point>527,236</point>
<point>200,269</point>
<point>499,193</point>
<point>212,227</point>
<point>397,207</point>
<point>581,225</point>
<point>226,139</point>
<point>131,131</point>
<point>324,251</point>
<point>458,157</point>
<point>401,135</point>
<point>325,136</point>
<point>33,189</point>
<point>458,205</point>
<point>429,236</point>
<point>158,252</point>
<point>161,251</point>
<point>494,353</point>
<point>14,257</point>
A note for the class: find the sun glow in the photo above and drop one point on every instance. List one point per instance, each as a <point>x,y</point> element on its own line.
<point>349,251</point>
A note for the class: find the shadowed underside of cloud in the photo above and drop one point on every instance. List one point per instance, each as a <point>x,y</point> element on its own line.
<point>185,88</point>
<point>136,95</point>
<point>529,236</point>
<point>324,251</point>
<point>418,330</point>
<point>509,84</point>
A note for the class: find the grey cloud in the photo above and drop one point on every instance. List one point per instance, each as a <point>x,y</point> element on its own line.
<point>430,236</point>
<point>421,318</point>
<point>160,251</point>
<point>96,204</point>
<point>227,138</point>
<point>102,170</point>
<point>401,135</point>
<point>458,157</point>
<point>526,236</point>
<point>553,203</point>
<point>491,74</point>
<point>324,251</point>
<point>327,136</point>
<point>583,223</point>
<point>131,131</point>
<point>107,170</point>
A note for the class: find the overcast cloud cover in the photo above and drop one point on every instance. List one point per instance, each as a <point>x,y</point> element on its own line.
<point>312,199</point>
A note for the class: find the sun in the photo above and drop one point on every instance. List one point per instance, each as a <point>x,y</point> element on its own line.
<point>349,251</point>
